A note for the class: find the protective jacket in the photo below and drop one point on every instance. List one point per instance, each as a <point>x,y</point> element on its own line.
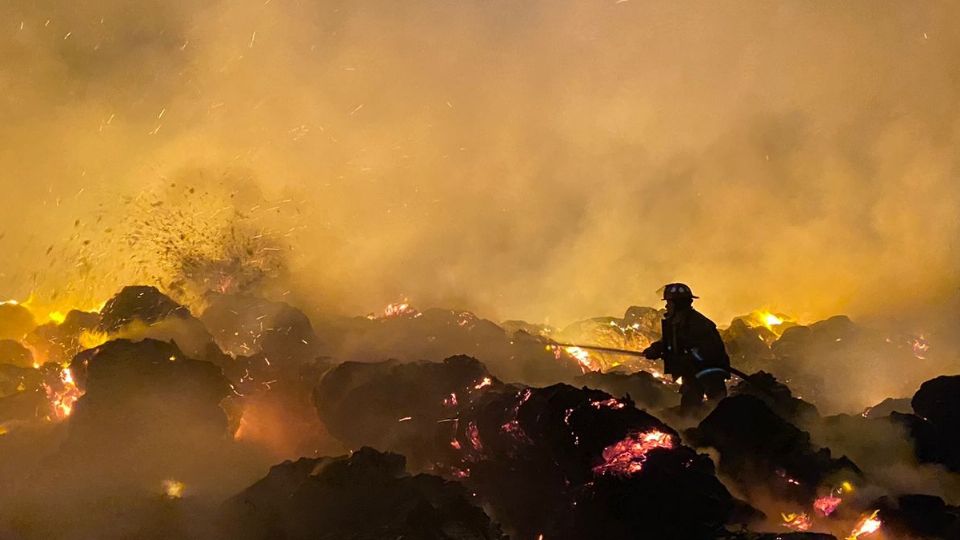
<point>689,344</point>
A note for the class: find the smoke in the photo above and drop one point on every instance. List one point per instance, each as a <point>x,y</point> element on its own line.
<point>523,159</point>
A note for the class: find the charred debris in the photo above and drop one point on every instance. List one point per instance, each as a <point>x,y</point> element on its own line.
<point>146,420</point>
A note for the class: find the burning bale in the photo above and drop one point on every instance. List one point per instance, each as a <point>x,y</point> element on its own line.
<point>142,312</point>
<point>578,463</point>
<point>757,445</point>
<point>637,329</point>
<point>138,303</point>
<point>364,496</point>
<point>409,408</point>
<point>244,325</point>
<point>139,397</point>
<point>777,396</point>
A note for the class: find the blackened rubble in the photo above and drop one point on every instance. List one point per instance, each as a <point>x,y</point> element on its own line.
<point>365,496</point>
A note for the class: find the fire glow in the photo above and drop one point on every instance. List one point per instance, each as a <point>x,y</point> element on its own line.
<point>626,457</point>
<point>62,400</point>
<point>867,525</point>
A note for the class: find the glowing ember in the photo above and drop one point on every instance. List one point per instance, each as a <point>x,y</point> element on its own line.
<point>867,525</point>
<point>400,309</point>
<point>797,522</point>
<point>474,435</point>
<point>450,401</point>
<point>826,505</point>
<point>626,457</point>
<point>607,404</point>
<point>57,317</point>
<point>581,356</point>
<point>173,489</point>
<point>485,382</point>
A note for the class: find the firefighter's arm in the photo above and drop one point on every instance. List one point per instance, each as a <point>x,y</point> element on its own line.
<point>654,351</point>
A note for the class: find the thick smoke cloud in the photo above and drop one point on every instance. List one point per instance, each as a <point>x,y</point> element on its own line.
<point>523,159</point>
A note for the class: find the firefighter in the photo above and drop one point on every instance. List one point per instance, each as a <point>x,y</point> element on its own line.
<point>691,349</point>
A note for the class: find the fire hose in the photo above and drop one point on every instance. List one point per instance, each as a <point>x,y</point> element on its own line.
<point>712,369</point>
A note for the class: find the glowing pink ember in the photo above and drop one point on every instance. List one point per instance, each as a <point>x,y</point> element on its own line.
<point>827,505</point>
<point>608,404</point>
<point>474,435</point>
<point>626,457</point>
<point>450,401</point>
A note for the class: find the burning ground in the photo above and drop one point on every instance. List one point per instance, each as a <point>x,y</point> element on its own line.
<point>148,418</point>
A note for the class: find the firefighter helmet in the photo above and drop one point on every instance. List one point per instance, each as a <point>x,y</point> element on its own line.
<point>677,291</point>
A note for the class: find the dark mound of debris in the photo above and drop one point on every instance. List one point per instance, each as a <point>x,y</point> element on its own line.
<point>820,360</point>
<point>246,325</point>
<point>409,408</point>
<point>642,387</point>
<point>887,407</point>
<point>574,463</point>
<point>749,346</point>
<point>409,335</point>
<point>777,396</point>
<point>919,516</point>
<point>364,496</point>
<point>138,302</point>
<point>757,445</point>
<point>143,399</point>
<point>935,428</point>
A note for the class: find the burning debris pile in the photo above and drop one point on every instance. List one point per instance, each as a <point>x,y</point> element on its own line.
<point>145,409</point>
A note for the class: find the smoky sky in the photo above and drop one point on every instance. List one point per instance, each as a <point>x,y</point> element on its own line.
<point>534,159</point>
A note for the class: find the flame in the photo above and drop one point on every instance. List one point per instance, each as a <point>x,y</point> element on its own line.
<point>581,356</point>
<point>867,525</point>
<point>774,322</point>
<point>57,317</point>
<point>485,382</point>
<point>63,399</point>
<point>797,522</point>
<point>173,489</point>
<point>395,310</point>
<point>626,457</point>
